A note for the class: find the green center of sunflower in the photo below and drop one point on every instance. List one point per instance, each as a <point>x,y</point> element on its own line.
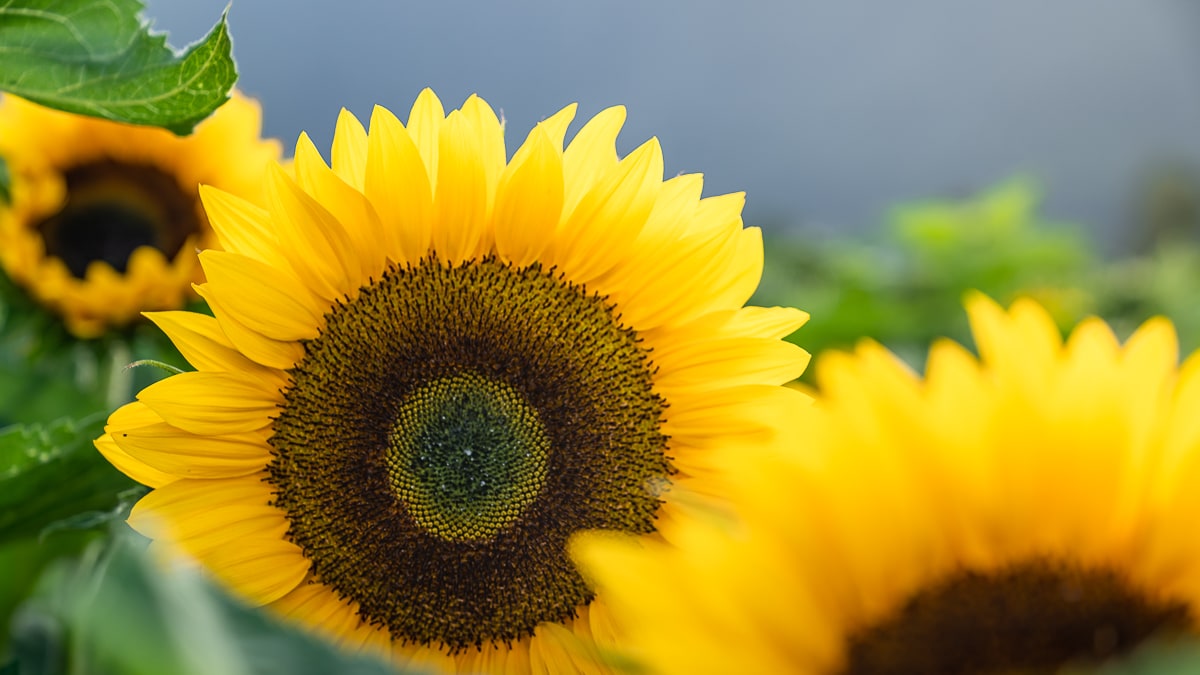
<point>1034,617</point>
<point>448,432</point>
<point>112,209</point>
<point>467,455</point>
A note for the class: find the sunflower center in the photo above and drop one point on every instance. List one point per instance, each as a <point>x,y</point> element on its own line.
<point>1033,617</point>
<point>467,455</point>
<point>445,435</point>
<point>112,209</point>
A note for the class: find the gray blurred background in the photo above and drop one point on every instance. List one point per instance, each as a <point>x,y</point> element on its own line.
<point>825,113</point>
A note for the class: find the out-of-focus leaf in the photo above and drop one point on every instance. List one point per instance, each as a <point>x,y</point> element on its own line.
<point>1160,282</point>
<point>52,472</point>
<point>1164,656</point>
<point>100,58</point>
<point>904,287</point>
<point>117,612</point>
<point>5,183</point>
<point>24,560</point>
<point>46,374</point>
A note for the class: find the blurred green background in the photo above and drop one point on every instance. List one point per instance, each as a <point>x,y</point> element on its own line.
<point>902,284</point>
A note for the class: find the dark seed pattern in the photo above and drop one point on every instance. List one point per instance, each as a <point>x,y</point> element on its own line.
<point>467,456</point>
<point>528,369</point>
<point>112,209</point>
<point>1034,617</point>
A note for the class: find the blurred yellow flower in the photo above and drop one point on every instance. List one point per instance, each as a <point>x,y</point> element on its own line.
<point>105,218</point>
<point>1019,512</point>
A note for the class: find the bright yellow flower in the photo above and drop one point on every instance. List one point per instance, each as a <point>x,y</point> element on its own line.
<point>1014,513</point>
<point>105,217</point>
<point>430,367</point>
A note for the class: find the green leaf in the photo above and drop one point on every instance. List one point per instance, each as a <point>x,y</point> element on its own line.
<point>52,473</point>
<point>100,59</point>
<point>5,183</point>
<point>46,374</point>
<point>116,611</point>
<point>1161,655</point>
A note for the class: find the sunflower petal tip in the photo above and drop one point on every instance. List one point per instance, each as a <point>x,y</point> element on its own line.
<point>381,113</point>
<point>976,301</point>
<point>276,172</point>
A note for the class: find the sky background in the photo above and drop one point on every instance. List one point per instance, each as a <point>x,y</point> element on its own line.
<point>825,113</point>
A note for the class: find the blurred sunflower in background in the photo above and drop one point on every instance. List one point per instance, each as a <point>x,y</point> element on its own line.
<point>1032,510</point>
<point>430,367</point>
<point>104,218</point>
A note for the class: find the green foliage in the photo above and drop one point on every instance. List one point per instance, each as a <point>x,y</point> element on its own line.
<point>905,286</point>
<point>1161,282</point>
<point>5,183</point>
<point>46,374</point>
<point>115,611</point>
<point>52,472</point>
<point>1155,657</point>
<point>55,490</point>
<point>995,243</point>
<point>100,59</point>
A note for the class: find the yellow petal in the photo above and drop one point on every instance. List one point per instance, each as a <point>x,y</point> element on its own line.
<point>592,153</point>
<point>732,414</point>
<point>315,604</point>
<point>490,141</point>
<point>277,354</point>
<point>350,150</point>
<point>261,297</point>
<point>529,200</point>
<point>203,514</point>
<point>719,211</point>
<point>673,214</point>
<point>186,455</point>
<point>700,363</point>
<point>312,239</point>
<point>347,205</point>
<point>241,227</point>
<point>460,203</point>
<point>555,126</point>
<point>261,570</point>
<point>743,270</point>
<point>200,340</point>
<point>135,469</point>
<point>603,227</point>
<point>776,322</point>
<point>399,187</point>
<point>212,403</point>
<point>677,285</point>
<point>228,525</point>
<point>148,439</point>
<point>425,128</point>
<point>1021,345</point>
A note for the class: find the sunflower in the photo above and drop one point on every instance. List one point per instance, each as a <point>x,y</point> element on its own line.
<point>1031,509</point>
<point>105,217</point>
<point>429,367</point>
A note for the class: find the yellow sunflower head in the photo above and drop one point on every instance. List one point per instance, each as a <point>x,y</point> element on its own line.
<point>105,217</point>
<point>1027,510</point>
<point>430,366</point>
